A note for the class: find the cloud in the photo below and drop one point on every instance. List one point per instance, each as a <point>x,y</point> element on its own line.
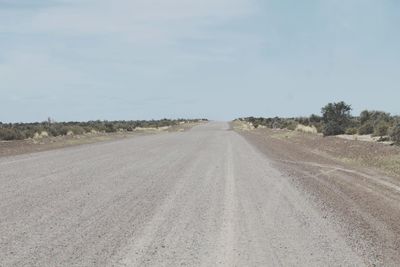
<point>166,27</point>
<point>150,19</point>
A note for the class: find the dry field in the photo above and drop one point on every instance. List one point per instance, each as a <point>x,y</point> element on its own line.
<point>31,145</point>
<point>353,183</point>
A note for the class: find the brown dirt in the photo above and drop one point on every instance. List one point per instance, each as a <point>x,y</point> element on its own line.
<point>12,148</point>
<point>374,155</point>
<point>347,182</point>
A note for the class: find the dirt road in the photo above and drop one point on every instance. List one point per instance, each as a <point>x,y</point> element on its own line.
<point>206,197</point>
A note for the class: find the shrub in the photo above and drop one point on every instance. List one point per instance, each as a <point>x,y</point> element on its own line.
<point>9,134</point>
<point>55,130</point>
<point>336,117</point>
<point>332,128</point>
<point>378,120</point>
<point>366,128</point>
<point>77,130</point>
<point>378,116</point>
<point>291,125</point>
<point>315,119</point>
<point>319,127</point>
<point>351,131</point>
<point>303,120</point>
<point>44,134</point>
<point>395,134</point>
<point>109,128</point>
<point>306,129</point>
<point>364,116</point>
<point>381,129</point>
<point>354,123</point>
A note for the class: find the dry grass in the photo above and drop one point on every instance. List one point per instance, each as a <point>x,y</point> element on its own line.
<point>358,153</point>
<point>388,164</point>
<point>283,134</point>
<point>364,138</point>
<point>242,126</point>
<point>152,129</point>
<point>41,135</point>
<point>306,129</point>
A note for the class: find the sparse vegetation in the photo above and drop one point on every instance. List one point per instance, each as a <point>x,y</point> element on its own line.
<point>395,134</point>
<point>306,129</point>
<point>20,131</point>
<point>366,128</point>
<point>381,129</point>
<point>351,131</point>
<point>336,119</point>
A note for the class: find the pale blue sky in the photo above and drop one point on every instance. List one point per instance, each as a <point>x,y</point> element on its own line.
<point>220,59</point>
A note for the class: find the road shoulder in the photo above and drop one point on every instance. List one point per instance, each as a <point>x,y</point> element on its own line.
<point>363,201</point>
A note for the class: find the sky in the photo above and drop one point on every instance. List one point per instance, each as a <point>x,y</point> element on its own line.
<point>218,59</point>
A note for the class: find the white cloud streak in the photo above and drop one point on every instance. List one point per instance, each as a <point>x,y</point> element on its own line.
<point>151,20</point>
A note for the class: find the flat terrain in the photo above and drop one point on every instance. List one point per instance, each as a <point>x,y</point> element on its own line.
<point>32,145</point>
<point>206,197</point>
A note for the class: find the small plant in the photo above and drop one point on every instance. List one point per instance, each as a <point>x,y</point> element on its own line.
<point>306,129</point>
<point>291,125</point>
<point>351,131</point>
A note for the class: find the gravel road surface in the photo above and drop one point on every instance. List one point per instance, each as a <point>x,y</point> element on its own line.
<point>205,197</point>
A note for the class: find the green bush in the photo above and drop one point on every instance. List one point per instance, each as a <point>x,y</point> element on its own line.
<point>110,128</point>
<point>351,131</point>
<point>9,134</point>
<point>364,116</point>
<point>366,128</point>
<point>381,129</point>
<point>395,134</point>
<point>77,130</point>
<point>291,125</point>
<point>315,119</point>
<point>378,120</point>
<point>332,128</point>
<point>336,118</point>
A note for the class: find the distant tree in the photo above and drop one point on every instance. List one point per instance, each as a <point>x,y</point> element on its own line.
<point>364,116</point>
<point>336,117</point>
